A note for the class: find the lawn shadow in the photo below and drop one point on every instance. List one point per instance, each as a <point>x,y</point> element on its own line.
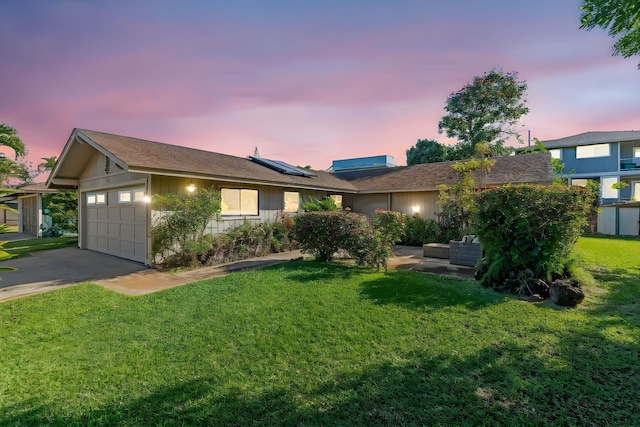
<point>315,271</point>
<point>411,289</point>
<point>487,387</point>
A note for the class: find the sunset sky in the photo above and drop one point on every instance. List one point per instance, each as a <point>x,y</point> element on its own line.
<point>304,81</point>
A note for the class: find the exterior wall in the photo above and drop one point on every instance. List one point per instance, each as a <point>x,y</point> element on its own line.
<point>593,165</point>
<point>424,203</point>
<point>368,203</point>
<point>619,220</point>
<point>270,199</point>
<point>31,215</point>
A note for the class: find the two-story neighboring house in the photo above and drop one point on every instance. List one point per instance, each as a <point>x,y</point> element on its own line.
<point>612,159</point>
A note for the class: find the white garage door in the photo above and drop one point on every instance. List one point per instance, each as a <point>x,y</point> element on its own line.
<point>116,223</point>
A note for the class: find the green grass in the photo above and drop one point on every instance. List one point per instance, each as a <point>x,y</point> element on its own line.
<point>305,343</point>
<point>22,248</point>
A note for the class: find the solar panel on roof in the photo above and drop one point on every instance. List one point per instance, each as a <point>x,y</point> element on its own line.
<point>283,167</point>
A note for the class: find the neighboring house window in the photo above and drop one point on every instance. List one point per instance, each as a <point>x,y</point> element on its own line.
<point>596,150</point>
<point>636,152</point>
<point>128,196</point>
<point>239,201</point>
<point>291,201</point>
<point>607,191</point>
<point>96,198</point>
<point>556,153</point>
<point>337,198</point>
<point>636,191</point>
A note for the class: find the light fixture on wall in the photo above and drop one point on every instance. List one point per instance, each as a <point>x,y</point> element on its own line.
<point>191,187</point>
<point>146,199</point>
<point>415,209</point>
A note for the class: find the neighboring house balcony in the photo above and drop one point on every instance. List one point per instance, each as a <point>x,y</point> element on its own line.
<point>630,164</point>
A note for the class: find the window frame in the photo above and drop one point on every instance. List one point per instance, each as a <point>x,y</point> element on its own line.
<point>594,154</point>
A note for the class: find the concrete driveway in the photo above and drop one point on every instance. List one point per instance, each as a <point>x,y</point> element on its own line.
<point>57,268</point>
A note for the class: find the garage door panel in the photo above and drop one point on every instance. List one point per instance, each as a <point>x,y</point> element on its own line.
<point>118,228</point>
<point>126,214</point>
<point>102,228</point>
<point>114,230</point>
<point>140,233</point>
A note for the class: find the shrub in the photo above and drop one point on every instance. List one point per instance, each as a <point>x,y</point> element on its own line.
<point>315,205</point>
<point>250,240</point>
<point>178,230</point>
<point>528,231</point>
<point>322,234</point>
<point>390,224</point>
<point>419,231</point>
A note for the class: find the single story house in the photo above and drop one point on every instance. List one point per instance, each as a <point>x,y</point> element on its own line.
<point>116,176</point>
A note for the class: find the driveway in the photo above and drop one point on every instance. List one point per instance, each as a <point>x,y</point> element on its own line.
<point>56,268</point>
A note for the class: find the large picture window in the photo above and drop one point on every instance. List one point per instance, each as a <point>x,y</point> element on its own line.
<point>236,201</point>
<point>596,150</point>
<point>291,201</point>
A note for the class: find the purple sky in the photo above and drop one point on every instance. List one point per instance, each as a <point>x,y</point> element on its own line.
<point>304,81</point>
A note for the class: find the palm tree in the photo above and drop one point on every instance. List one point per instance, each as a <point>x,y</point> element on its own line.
<point>9,138</point>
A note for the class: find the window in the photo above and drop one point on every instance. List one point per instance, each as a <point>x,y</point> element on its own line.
<point>128,196</point>
<point>124,196</point>
<point>607,191</point>
<point>596,150</point>
<point>636,152</point>
<point>96,198</point>
<point>636,190</point>
<point>556,153</point>
<point>291,201</point>
<point>337,198</point>
<point>239,201</point>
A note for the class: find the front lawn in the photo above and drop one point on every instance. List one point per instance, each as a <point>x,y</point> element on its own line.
<point>305,343</point>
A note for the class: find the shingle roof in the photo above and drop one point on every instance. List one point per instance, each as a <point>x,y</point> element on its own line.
<point>155,157</point>
<point>589,138</point>
<point>525,168</point>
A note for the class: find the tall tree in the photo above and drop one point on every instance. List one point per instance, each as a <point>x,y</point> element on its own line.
<point>431,151</point>
<point>9,138</point>
<point>619,18</point>
<point>47,164</point>
<point>487,110</point>
<point>15,168</point>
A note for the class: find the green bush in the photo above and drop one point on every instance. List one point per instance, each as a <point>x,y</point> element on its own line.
<point>177,232</point>
<point>419,231</point>
<point>528,231</point>
<point>390,224</point>
<point>249,240</point>
<point>315,205</point>
<point>322,234</point>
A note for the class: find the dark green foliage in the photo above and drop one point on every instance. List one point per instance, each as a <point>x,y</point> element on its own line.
<point>528,231</point>
<point>431,151</point>
<point>315,205</point>
<point>419,231</point>
<point>178,230</point>
<point>250,240</point>
<point>390,224</point>
<point>63,210</point>
<point>323,234</point>
<point>485,111</point>
<point>618,17</point>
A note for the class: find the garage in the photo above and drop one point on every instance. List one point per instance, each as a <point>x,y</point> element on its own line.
<point>116,222</point>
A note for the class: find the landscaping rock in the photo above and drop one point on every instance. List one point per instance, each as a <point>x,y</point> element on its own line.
<point>566,293</point>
